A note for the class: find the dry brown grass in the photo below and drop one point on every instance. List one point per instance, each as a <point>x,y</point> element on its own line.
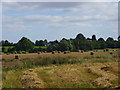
<point>90,74</point>
<point>30,79</point>
<point>72,54</point>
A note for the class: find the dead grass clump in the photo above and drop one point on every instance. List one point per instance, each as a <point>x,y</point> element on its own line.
<point>106,68</point>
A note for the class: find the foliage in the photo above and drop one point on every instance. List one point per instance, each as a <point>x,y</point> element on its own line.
<point>79,43</point>
<point>24,45</point>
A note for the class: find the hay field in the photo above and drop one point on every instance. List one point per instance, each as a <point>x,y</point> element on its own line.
<point>81,70</point>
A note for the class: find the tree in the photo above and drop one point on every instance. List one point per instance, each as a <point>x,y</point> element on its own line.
<point>64,45</point>
<point>53,46</point>
<point>24,45</point>
<point>101,43</point>
<point>79,41</point>
<point>110,39</point>
<point>110,43</point>
<point>101,39</point>
<point>36,43</point>
<point>6,43</point>
<point>41,43</point>
<point>80,37</point>
<point>118,38</point>
<point>45,42</point>
<point>88,39</point>
<point>93,38</point>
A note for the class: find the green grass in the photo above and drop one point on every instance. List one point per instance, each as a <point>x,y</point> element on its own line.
<point>6,48</point>
<point>43,47</point>
<point>116,82</point>
<point>54,81</point>
<point>80,85</point>
<point>99,59</point>
<point>12,79</point>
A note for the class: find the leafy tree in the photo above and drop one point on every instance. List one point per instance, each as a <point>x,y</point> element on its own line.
<point>64,45</point>
<point>53,45</point>
<point>36,43</point>
<point>93,38</point>
<point>101,39</point>
<point>110,39</point>
<point>79,41</point>
<point>41,43</point>
<point>101,44</point>
<point>88,39</point>
<point>110,43</point>
<point>45,42</point>
<point>6,43</point>
<point>80,37</point>
<point>118,38</point>
<point>24,45</point>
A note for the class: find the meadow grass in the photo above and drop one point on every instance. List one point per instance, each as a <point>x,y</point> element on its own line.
<point>12,64</point>
<point>13,68</point>
<point>43,47</point>
<point>11,79</point>
<point>60,77</point>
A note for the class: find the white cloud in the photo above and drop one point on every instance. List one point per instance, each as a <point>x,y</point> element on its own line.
<point>30,21</point>
<point>74,15</point>
<point>103,10</point>
<point>60,1</point>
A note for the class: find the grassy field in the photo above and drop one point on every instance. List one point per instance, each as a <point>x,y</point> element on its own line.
<point>71,70</point>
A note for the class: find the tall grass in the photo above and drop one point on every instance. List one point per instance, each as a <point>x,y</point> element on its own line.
<point>101,57</point>
<point>30,63</point>
<point>13,64</point>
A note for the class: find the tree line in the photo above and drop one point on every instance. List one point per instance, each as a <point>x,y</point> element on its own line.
<point>80,42</point>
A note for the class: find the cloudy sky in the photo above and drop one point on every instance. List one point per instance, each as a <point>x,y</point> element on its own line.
<point>55,20</point>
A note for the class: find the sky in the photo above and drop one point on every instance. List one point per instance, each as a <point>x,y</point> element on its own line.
<point>57,20</point>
